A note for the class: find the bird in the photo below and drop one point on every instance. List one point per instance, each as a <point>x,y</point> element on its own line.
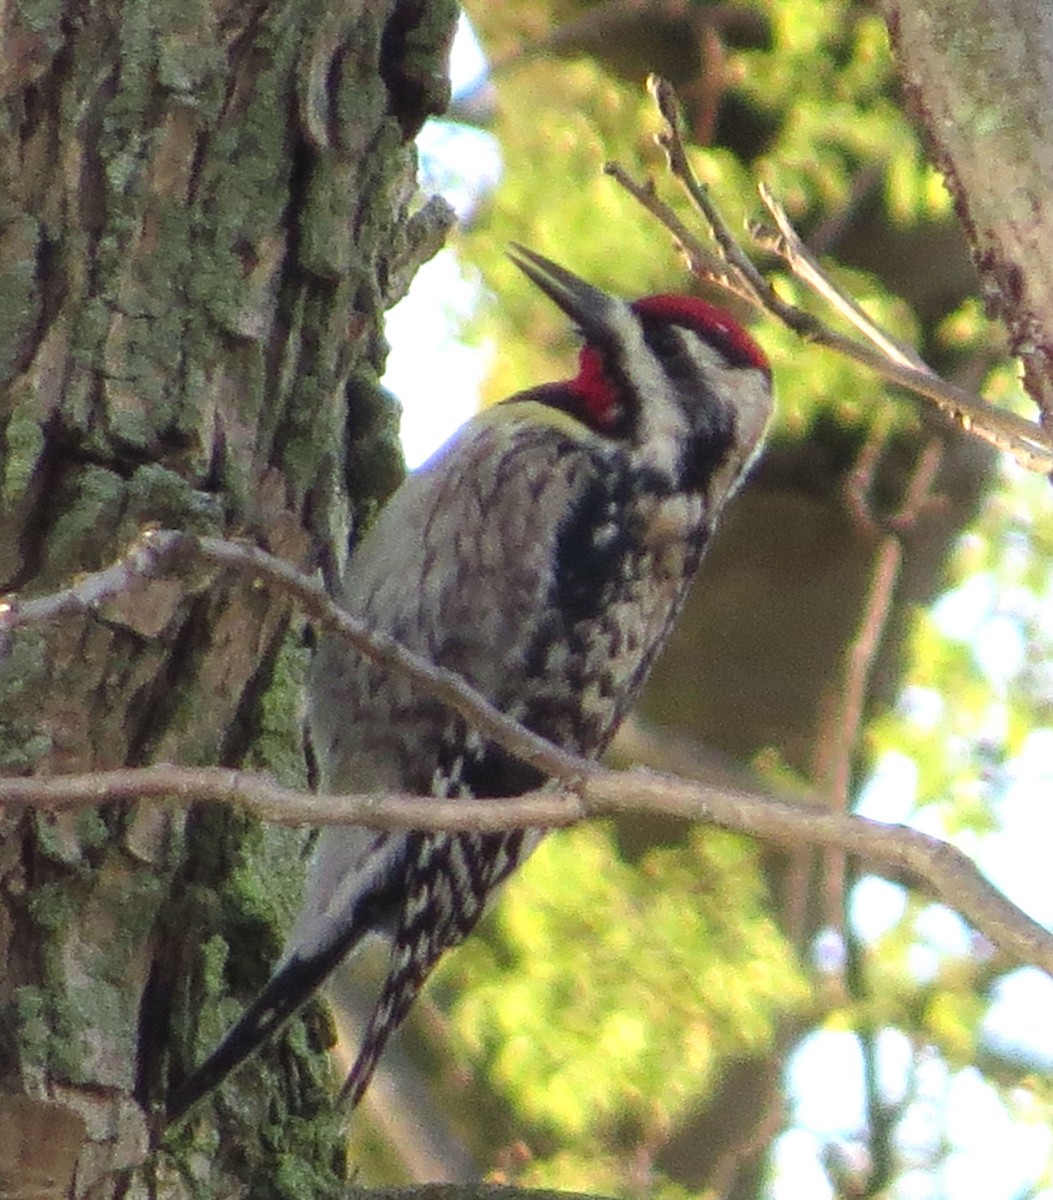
<point>544,554</point>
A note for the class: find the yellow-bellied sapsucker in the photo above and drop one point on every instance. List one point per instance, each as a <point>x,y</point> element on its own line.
<point>543,554</point>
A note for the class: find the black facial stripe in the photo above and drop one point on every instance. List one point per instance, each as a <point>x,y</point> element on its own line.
<point>709,445</point>
<point>713,422</point>
<point>665,341</point>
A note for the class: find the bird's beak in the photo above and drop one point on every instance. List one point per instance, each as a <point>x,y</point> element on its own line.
<point>594,311</point>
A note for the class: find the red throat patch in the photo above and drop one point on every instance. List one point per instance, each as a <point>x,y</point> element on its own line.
<point>600,407</point>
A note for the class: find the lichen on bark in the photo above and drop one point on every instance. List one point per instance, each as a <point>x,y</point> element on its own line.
<point>192,288</point>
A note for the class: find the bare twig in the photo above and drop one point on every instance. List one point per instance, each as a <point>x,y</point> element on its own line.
<point>895,850</point>
<point>1027,442</point>
<point>788,245</point>
<point>588,791</point>
<point>900,852</point>
<point>840,743</point>
<point>882,1116</point>
<point>157,553</point>
<point>268,800</point>
<point>672,142</point>
<point>895,361</point>
<point>702,262</point>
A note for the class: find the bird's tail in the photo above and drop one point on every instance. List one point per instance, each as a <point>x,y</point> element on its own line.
<point>288,988</point>
<point>443,901</point>
<point>412,962</point>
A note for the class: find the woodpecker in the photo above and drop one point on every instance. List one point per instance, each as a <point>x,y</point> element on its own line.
<point>544,554</point>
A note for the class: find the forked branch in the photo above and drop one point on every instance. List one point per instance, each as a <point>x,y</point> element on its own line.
<point>731,267</point>
<point>582,789</point>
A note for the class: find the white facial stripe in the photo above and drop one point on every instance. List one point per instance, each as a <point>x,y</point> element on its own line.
<point>706,359</point>
<point>662,423</point>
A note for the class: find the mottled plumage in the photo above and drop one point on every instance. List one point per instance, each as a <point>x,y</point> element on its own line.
<point>544,554</point>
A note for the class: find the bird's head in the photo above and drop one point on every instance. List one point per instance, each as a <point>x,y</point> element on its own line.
<point>676,380</point>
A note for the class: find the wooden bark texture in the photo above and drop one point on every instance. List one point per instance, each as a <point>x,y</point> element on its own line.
<point>205,209</point>
<point>978,77</point>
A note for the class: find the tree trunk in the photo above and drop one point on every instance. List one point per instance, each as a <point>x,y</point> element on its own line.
<point>978,77</point>
<point>205,214</point>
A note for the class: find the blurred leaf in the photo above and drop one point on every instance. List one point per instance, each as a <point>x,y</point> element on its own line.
<point>619,987</point>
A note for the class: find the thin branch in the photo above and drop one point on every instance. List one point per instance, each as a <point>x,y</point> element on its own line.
<point>941,869</point>
<point>788,244</point>
<point>898,851</point>
<point>159,553</point>
<point>893,360</point>
<point>860,481</point>
<point>702,262</point>
<point>672,142</point>
<point>842,740</point>
<point>591,791</point>
<point>1027,442</point>
<point>894,850</point>
<point>755,1138</point>
<point>270,801</point>
<point>882,1115</point>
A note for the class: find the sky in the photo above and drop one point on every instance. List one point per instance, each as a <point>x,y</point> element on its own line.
<point>989,1146</point>
<point>436,377</point>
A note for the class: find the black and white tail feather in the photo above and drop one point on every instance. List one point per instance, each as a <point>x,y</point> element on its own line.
<point>544,554</point>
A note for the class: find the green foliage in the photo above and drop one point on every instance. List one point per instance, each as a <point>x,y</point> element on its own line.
<point>611,992</point>
<point>960,722</point>
<point>827,79</point>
